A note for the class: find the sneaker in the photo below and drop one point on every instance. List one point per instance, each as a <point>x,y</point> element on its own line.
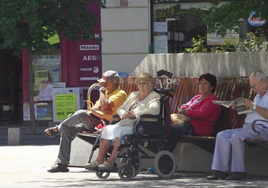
<point>236,176</point>
<point>59,168</point>
<point>218,175</point>
<point>92,166</point>
<point>106,167</point>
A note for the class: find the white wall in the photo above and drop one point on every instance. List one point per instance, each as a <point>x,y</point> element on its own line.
<point>125,33</point>
<point>228,64</point>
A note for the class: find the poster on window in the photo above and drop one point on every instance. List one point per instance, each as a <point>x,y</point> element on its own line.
<point>40,76</point>
<point>161,44</point>
<point>26,111</point>
<point>65,104</point>
<point>160,26</point>
<point>45,91</point>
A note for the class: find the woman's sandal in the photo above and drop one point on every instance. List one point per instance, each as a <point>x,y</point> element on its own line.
<point>51,131</point>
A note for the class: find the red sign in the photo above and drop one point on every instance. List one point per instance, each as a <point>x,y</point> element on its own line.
<point>88,54</point>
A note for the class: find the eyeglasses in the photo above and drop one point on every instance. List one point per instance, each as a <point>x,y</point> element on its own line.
<point>254,86</point>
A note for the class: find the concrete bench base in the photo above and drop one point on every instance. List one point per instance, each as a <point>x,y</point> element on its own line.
<point>189,158</point>
<point>80,152</point>
<point>14,136</point>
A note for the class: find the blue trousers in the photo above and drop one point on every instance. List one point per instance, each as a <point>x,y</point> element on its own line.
<point>177,132</point>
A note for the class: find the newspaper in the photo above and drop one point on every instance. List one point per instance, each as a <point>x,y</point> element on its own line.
<point>240,105</point>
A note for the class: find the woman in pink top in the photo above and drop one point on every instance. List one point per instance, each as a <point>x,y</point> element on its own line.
<point>201,110</point>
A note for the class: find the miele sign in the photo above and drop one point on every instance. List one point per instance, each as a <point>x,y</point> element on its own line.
<point>89,47</point>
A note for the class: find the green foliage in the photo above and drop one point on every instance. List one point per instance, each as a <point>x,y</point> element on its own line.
<point>253,42</point>
<point>199,45</point>
<point>27,24</point>
<point>227,15</point>
<point>199,13</point>
<point>225,47</point>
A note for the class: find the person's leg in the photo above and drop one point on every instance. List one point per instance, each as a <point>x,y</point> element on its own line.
<point>67,136</point>
<point>175,134</point>
<point>78,119</point>
<point>62,161</point>
<point>69,128</point>
<point>112,156</point>
<point>238,152</point>
<point>117,132</point>
<point>222,151</point>
<point>238,145</point>
<point>238,155</point>
<point>104,146</point>
<point>221,157</point>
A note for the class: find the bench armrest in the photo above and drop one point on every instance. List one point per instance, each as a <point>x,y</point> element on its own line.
<point>146,116</point>
<point>149,116</point>
<point>253,124</point>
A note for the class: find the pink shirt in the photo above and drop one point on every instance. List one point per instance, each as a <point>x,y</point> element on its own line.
<point>206,110</point>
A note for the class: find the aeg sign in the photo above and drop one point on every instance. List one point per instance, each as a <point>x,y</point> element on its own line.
<point>91,57</point>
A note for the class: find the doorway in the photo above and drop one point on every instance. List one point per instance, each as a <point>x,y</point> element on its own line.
<point>10,88</point>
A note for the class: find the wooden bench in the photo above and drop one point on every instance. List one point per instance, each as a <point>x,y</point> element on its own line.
<point>193,149</point>
<point>187,87</point>
<point>227,88</point>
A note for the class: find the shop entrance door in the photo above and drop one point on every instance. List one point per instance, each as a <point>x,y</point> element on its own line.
<point>11,88</point>
<point>175,36</point>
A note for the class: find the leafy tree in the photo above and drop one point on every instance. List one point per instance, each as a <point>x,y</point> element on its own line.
<point>226,15</point>
<point>253,43</point>
<point>28,24</point>
<point>199,45</point>
<point>225,47</point>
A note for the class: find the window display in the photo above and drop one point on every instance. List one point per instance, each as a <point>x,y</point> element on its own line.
<point>47,73</point>
<point>47,70</point>
<point>182,22</point>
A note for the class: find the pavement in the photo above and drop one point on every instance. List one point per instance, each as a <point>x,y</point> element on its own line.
<point>25,166</point>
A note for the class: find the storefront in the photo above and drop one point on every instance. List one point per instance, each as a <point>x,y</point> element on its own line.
<point>72,67</point>
<point>175,23</point>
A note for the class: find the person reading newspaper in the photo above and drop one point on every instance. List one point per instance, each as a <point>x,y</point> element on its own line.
<point>229,154</point>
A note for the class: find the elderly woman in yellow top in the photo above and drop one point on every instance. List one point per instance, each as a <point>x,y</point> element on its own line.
<point>143,101</point>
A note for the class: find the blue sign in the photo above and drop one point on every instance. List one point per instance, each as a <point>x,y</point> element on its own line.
<point>255,21</point>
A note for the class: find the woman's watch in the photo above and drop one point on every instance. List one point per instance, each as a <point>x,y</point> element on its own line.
<point>254,106</point>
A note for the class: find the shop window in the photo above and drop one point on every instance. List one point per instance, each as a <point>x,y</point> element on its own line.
<point>47,74</point>
<point>46,70</point>
<point>175,24</point>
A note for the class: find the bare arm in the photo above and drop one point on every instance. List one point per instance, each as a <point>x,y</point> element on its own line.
<point>262,111</point>
<point>106,104</point>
